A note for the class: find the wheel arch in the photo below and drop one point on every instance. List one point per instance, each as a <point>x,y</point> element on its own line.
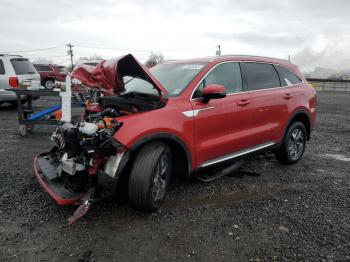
<point>181,154</point>
<point>302,116</point>
<point>179,150</point>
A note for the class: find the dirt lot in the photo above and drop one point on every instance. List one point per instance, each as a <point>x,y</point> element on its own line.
<point>294,213</point>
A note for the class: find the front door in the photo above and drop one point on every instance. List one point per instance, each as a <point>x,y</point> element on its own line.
<point>221,126</point>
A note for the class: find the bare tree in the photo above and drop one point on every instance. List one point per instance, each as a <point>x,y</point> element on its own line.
<point>93,57</point>
<point>42,60</point>
<point>153,59</point>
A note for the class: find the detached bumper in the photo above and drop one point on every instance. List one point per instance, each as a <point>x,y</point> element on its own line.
<point>47,176</point>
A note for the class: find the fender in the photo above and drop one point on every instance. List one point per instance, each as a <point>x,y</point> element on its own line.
<point>127,155</point>
<point>296,112</point>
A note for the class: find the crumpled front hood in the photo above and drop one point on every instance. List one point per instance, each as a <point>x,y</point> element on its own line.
<point>107,76</point>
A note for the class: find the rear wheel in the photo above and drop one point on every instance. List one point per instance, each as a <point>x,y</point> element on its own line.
<point>150,176</point>
<point>293,146</point>
<point>49,84</point>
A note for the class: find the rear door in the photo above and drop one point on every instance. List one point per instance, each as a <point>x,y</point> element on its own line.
<point>26,73</point>
<point>271,102</point>
<point>221,125</point>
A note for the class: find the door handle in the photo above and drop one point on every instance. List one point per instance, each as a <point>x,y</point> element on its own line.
<point>243,102</point>
<point>287,96</point>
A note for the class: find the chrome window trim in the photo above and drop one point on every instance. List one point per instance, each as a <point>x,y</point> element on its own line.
<point>211,69</point>
<point>250,91</point>
<point>237,154</point>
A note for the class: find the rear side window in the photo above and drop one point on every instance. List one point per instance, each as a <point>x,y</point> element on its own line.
<point>227,74</point>
<point>62,69</point>
<point>261,76</point>
<point>43,68</point>
<point>287,77</point>
<point>23,66</point>
<point>2,68</point>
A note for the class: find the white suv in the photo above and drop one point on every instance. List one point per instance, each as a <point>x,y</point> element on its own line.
<point>16,72</point>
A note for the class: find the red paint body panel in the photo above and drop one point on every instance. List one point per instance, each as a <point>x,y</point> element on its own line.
<point>222,127</point>
<point>169,120</point>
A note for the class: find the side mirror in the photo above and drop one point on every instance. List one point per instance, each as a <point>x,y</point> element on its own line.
<point>213,92</point>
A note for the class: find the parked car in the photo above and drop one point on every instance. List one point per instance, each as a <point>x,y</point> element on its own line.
<point>91,62</point>
<point>16,72</point>
<point>51,73</point>
<point>178,119</point>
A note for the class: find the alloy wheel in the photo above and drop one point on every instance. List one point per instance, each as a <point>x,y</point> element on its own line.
<point>296,144</point>
<point>160,179</point>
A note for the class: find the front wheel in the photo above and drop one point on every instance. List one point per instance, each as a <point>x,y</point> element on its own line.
<point>150,176</point>
<point>293,146</point>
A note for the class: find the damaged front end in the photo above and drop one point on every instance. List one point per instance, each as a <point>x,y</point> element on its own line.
<point>82,167</point>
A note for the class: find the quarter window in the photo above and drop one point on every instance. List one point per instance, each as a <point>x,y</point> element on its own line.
<point>227,74</point>
<point>2,68</point>
<point>261,76</point>
<point>43,68</point>
<point>287,77</point>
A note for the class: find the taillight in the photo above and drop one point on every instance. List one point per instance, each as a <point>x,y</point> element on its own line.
<point>13,82</point>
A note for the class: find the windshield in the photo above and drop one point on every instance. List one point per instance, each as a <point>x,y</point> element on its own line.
<point>174,77</point>
<point>23,66</point>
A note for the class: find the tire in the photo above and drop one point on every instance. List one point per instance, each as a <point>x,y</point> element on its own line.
<point>49,84</point>
<point>150,176</point>
<point>293,146</point>
<point>14,103</point>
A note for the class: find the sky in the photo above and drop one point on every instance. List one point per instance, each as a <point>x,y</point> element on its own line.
<point>313,32</point>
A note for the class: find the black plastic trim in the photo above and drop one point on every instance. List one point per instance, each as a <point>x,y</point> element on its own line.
<point>297,112</point>
<point>172,137</point>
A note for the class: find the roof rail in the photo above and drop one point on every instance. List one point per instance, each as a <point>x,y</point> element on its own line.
<point>10,55</point>
<point>285,60</point>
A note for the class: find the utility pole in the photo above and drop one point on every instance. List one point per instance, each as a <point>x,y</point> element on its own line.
<point>70,52</point>
<point>218,52</point>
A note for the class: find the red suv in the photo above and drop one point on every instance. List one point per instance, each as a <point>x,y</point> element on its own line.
<point>51,73</point>
<point>180,118</point>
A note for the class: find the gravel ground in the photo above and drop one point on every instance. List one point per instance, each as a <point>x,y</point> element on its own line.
<point>287,213</point>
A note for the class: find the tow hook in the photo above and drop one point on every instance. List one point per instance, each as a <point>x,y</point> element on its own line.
<point>86,202</point>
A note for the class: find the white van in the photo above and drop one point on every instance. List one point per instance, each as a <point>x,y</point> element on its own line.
<point>16,72</point>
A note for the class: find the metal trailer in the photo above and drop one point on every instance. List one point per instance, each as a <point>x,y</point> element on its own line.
<point>26,116</point>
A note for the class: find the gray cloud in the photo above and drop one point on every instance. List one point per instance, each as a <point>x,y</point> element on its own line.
<point>263,39</point>
<point>314,32</point>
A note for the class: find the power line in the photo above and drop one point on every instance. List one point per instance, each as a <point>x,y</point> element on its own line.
<point>114,49</point>
<point>33,50</point>
<point>55,56</point>
<point>63,61</point>
<point>139,50</point>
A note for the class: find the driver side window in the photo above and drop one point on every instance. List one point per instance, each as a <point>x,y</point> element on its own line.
<point>226,74</point>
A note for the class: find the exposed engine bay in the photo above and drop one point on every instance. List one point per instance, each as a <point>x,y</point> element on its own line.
<point>81,168</point>
<point>83,148</point>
